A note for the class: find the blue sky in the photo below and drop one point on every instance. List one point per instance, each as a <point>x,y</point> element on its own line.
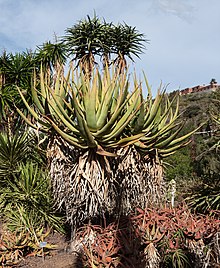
<point>184,34</point>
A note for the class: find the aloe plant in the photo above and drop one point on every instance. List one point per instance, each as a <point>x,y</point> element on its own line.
<point>103,137</point>
<point>127,43</point>
<point>170,237</point>
<point>51,55</point>
<point>85,40</point>
<point>143,163</point>
<point>91,38</point>
<point>93,116</point>
<point>19,244</point>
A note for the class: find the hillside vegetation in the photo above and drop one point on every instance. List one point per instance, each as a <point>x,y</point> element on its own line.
<point>196,167</point>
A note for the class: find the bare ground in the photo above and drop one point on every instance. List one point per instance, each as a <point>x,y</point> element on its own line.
<point>58,258</point>
<point>61,257</point>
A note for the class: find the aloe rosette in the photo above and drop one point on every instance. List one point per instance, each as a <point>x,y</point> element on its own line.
<point>86,113</point>
<point>103,137</point>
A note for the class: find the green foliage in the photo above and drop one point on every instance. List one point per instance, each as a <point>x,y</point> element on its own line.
<point>204,197</point>
<point>127,41</point>
<point>100,112</point>
<point>180,165</point>
<point>14,150</point>
<point>86,38</point>
<point>97,116</point>
<point>199,162</point>
<point>92,37</point>
<point>176,259</point>
<point>51,55</point>
<point>25,188</point>
<point>192,111</point>
<point>15,70</point>
<point>207,161</point>
<point>27,200</point>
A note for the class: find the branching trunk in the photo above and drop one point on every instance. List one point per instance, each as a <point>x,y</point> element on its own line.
<point>87,185</point>
<point>140,180</point>
<point>82,182</point>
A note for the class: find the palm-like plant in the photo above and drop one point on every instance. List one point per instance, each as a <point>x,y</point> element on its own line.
<point>99,130</point>
<point>51,55</point>
<point>3,60</point>
<point>127,42</point>
<point>91,38</point>
<point>85,40</point>
<point>15,70</point>
<point>6,93</point>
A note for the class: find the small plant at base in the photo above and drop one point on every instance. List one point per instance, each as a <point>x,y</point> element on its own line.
<point>14,246</point>
<point>176,259</point>
<point>100,246</point>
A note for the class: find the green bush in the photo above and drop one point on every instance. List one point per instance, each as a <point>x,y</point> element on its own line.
<point>26,202</point>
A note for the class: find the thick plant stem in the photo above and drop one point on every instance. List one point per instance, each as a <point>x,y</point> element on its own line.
<point>89,186</point>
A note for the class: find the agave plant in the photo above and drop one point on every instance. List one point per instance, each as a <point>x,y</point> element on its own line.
<point>99,129</point>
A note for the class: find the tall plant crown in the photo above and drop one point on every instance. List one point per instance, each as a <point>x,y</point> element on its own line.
<point>93,37</point>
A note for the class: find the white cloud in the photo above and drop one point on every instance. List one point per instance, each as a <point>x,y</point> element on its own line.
<point>183,9</point>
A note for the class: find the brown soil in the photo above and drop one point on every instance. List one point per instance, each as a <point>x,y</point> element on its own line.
<point>61,257</point>
<point>64,260</point>
<point>58,258</point>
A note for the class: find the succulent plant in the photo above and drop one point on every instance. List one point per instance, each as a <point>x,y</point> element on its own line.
<point>104,136</point>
